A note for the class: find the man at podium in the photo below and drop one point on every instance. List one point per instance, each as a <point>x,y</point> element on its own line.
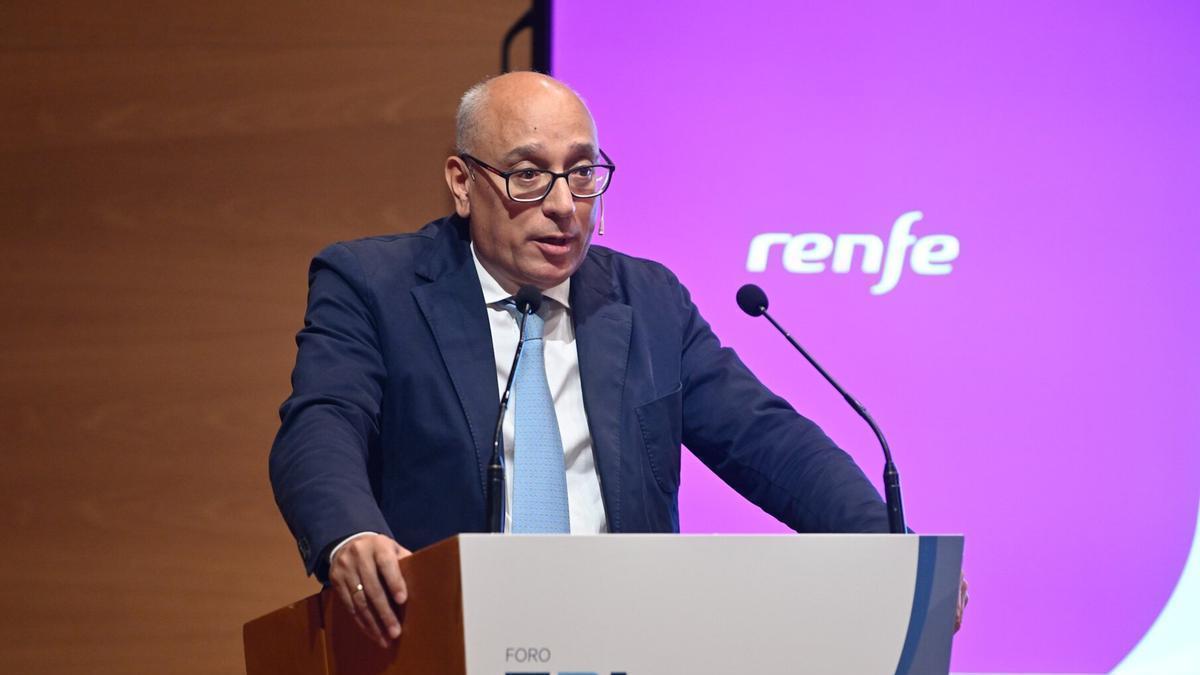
<point>408,341</point>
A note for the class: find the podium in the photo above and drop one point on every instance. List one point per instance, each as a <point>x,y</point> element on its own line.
<point>649,604</point>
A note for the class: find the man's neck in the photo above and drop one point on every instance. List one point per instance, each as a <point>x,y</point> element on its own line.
<point>496,291</point>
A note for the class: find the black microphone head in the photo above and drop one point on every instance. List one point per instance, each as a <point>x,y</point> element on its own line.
<point>528,299</point>
<point>752,300</point>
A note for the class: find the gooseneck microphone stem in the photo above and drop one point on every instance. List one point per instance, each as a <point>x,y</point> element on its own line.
<point>528,300</point>
<point>495,472</point>
<point>753,301</point>
<point>891,477</point>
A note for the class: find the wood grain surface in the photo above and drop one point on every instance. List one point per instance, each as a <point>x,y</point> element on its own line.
<point>167,170</point>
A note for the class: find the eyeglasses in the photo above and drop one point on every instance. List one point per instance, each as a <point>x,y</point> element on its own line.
<point>533,185</point>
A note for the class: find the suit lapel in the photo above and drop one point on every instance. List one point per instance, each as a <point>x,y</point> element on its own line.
<point>602,331</point>
<point>453,307</point>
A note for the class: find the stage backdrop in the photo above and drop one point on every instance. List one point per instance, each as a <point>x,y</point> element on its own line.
<point>982,219</point>
<point>167,171</point>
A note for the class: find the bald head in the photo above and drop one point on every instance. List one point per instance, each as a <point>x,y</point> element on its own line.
<point>490,107</point>
<point>514,128</point>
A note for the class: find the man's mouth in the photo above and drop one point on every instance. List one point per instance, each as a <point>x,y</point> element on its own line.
<point>555,243</point>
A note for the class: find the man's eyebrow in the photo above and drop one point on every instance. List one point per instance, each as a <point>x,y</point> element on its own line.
<point>522,151</point>
<point>584,150</point>
<point>532,149</point>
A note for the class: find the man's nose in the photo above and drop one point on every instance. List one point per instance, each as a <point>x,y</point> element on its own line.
<point>560,203</point>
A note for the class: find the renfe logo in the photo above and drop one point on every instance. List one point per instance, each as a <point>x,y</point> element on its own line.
<point>805,253</point>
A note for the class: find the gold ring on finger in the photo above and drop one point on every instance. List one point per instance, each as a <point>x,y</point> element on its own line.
<point>358,589</point>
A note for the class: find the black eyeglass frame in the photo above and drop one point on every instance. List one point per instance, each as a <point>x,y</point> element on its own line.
<point>554,176</point>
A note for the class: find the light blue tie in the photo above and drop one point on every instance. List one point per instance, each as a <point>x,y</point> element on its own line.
<point>539,479</point>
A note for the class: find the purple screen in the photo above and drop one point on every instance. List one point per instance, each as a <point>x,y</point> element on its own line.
<point>1030,171</point>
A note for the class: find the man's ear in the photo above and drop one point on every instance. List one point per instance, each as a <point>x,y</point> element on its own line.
<point>458,179</point>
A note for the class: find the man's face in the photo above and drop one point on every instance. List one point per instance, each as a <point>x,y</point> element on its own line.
<point>528,125</point>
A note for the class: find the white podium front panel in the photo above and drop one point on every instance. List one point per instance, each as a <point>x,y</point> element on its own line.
<point>667,604</point>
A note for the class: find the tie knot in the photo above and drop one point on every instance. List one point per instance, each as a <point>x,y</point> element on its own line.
<point>534,323</point>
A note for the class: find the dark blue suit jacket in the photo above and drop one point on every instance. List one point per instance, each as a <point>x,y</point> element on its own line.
<point>394,401</point>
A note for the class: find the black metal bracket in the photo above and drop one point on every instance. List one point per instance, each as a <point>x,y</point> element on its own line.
<point>537,20</point>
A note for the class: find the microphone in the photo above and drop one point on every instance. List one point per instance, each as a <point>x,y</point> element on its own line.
<point>528,300</point>
<point>753,301</point>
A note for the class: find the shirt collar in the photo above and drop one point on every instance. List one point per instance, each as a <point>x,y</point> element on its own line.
<point>493,292</point>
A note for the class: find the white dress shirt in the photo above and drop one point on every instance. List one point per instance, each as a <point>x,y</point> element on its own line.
<point>562,373</point>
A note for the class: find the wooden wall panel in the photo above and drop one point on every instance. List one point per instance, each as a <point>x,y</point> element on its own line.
<point>166,172</point>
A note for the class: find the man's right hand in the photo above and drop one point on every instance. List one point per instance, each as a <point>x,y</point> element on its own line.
<point>365,574</point>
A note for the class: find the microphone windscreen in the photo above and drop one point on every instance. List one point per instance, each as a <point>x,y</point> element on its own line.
<point>528,299</point>
<point>752,300</point>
